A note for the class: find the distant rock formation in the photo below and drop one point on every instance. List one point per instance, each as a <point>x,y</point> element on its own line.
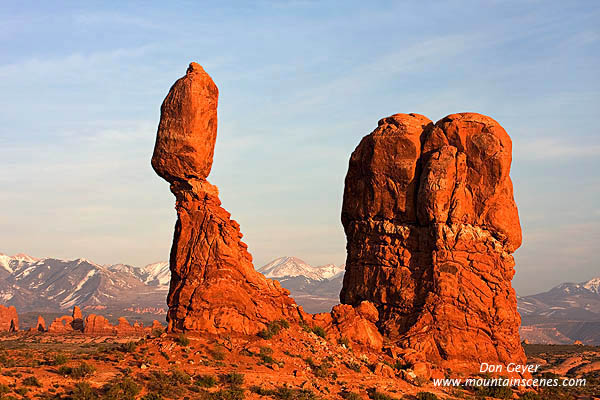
<point>9,319</point>
<point>40,326</point>
<point>214,287</point>
<point>431,224</point>
<point>97,325</point>
<point>77,322</point>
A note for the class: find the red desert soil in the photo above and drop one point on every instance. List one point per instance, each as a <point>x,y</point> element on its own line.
<point>294,363</point>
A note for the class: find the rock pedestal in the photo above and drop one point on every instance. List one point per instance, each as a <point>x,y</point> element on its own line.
<point>214,286</point>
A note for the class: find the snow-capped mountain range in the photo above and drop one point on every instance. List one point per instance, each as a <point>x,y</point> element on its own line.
<point>315,288</point>
<point>567,312</point>
<point>287,267</point>
<point>50,284</point>
<point>563,314</point>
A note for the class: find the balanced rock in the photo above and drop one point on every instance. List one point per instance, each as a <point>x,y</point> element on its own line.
<point>214,286</point>
<point>431,224</point>
<point>9,319</point>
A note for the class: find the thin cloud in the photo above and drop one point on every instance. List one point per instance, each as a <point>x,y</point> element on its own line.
<point>553,148</point>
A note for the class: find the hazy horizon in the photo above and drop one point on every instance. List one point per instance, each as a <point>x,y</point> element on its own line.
<point>300,84</point>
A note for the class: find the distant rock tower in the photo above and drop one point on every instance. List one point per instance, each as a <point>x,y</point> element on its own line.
<point>431,224</point>
<point>214,286</point>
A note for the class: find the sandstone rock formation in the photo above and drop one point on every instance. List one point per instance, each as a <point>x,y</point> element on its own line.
<point>77,323</point>
<point>214,286</point>
<point>40,325</point>
<point>9,319</point>
<point>61,325</point>
<point>68,323</point>
<point>431,224</point>
<point>356,324</point>
<point>97,325</point>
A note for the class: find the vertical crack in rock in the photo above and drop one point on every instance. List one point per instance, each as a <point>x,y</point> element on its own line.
<point>214,287</point>
<point>431,224</point>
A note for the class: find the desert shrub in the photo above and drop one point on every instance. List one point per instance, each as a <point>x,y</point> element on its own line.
<point>128,347</point>
<point>82,370</point>
<point>284,393</point>
<point>426,396</point>
<point>352,365</point>
<point>205,380</point>
<point>152,396</point>
<point>344,341</point>
<point>79,372</point>
<point>6,361</point>
<point>498,392</point>
<point>376,395</point>
<point>274,328</point>
<point>21,391</point>
<point>530,396</point>
<point>4,389</point>
<point>400,365</point>
<point>319,331</point>
<point>168,385</point>
<point>234,393</point>
<point>31,381</point>
<point>319,370</point>
<point>59,359</point>
<point>83,391</point>
<point>266,357</point>
<point>232,378</point>
<point>182,340</point>
<point>156,332</point>
<point>217,353</point>
<point>122,389</point>
<point>350,396</point>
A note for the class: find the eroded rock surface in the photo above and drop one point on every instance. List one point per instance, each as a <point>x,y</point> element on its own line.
<point>9,319</point>
<point>214,286</point>
<point>431,224</point>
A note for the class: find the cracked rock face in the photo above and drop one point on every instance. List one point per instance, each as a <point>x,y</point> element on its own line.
<point>214,287</point>
<point>431,224</point>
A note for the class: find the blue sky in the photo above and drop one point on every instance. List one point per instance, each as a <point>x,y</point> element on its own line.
<point>300,83</point>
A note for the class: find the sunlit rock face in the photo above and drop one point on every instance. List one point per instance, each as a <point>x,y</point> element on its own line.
<point>431,224</point>
<point>214,287</point>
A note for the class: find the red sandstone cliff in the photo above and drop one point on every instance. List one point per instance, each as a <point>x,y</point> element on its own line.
<point>431,224</point>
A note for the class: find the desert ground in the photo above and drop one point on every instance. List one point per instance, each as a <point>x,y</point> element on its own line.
<point>286,362</point>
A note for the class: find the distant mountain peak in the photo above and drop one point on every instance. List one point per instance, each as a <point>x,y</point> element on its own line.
<point>593,285</point>
<point>293,267</point>
<point>52,284</point>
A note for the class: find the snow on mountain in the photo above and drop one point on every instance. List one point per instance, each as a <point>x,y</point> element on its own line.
<point>157,274</point>
<point>293,267</point>
<point>9,264</point>
<point>316,289</point>
<point>571,309</point>
<point>593,285</point>
<point>53,284</point>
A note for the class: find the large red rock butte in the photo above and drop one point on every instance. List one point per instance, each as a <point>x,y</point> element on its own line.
<point>214,287</point>
<point>431,224</point>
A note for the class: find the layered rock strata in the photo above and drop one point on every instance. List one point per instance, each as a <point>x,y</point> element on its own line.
<point>431,226</point>
<point>214,287</point>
